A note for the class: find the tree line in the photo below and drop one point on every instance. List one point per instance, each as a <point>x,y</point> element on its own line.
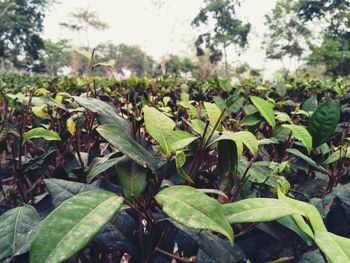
<point>312,35</point>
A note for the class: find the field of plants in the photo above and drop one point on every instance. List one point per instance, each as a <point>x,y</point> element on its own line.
<point>173,170</point>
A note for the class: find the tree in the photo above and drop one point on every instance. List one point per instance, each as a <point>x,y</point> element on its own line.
<point>56,56</point>
<point>128,57</point>
<point>176,65</point>
<point>83,20</point>
<point>287,35</point>
<point>21,23</point>
<point>334,50</point>
<point>227,30</point>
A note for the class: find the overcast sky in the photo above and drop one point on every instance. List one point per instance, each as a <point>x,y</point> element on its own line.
<point>159,27</point>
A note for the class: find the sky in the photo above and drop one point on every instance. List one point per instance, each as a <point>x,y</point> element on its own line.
<point>159,27</point>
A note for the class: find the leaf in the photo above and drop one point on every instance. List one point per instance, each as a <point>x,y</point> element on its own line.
<point>336,248</point>
<point>324,121</point>
<point>85,54</point>
<point>180,160</point>
<point>257,210</point>
<point>194,209</point>
<point>307,210</point>
<point>283,117</point>
<point>180,139</point>
<point>17,227</point>
<point>213,112</point>
<point>226,85</point>
<point>335,156</point>
<point>72,225</point>
<point>312,257</point>
<point>61,190</point>
<point>246,138</point>
<point>100,168</point>
<point>107,64</point>
<point>41,133</point>
<point>251,120</point>
<point>332,158</point>
<point>217,249</point>
<point>307,159</point>
<point>105,112</point>
<point>266,110</point>
<point>71,126</point>
<point>227,163</point>
<point>301,134</point>
<point>160,127</point>
<point>41,112</point>
<point>124,143</point>
<point>132,178</point>
<point>310,104</point>
<point>119,234</point>
<point>249,140</point>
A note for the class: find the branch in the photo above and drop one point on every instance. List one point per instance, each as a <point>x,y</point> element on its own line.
<point>7,8</point>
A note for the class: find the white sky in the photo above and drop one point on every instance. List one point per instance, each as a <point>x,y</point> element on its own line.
<point>159,27</point>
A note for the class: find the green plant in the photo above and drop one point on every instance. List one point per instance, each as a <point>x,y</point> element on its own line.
<point>147,170</point>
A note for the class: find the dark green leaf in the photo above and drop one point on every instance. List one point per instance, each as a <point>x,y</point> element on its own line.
<point>132,177</point>
<point>227,162</point>
<point>124,143</point>
<point>307,159</point>
<point>324,121</point>
<point>17,227</point>
<point>105,112</point>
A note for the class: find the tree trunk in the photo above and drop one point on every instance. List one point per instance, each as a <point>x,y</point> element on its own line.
<point>225,57</point>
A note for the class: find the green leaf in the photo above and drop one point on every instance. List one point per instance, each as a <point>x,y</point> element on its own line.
<point>335,156</point>
<point>249,140</point>
<point>180,139</point>
<point>332,158</point>
<point>41,133</point>
<point>336,248</point>
<point>132,178</point>
<point>212,246</point>
<point>257,210</point>
<point>301,134</point>
<point>194,209</point>
<point>324,121</point>
<point>246,138</point>
<point>213,112</point>
<point>307,159</point>
<point>308,210</point>
<point>198,126</point>
<point>160,127</point>
<point>266,110</point>
<point>108,64</point>
<point>17,227</point>
<point>61,190</point>
<point>101,168</point>
<point>106,113</point>
<point>180,160</point>
<point>227,163</point>
<point>310,104</point>
<point>124,143</point>
<point>234,103</point>
<point>72,225</point>
<point>100,164</point>
<point>283,117</point>
<point>85,54</point>
<point>314,256</point>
